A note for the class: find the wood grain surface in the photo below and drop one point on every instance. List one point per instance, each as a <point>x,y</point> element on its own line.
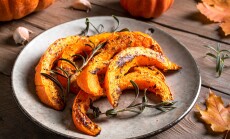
<point>182,21</point>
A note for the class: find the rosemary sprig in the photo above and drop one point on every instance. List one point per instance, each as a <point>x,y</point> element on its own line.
<point>65,75</point>
<point>93,53</point>
<point>133,106</point>
<point>220,56</point>
<point>99,30</point>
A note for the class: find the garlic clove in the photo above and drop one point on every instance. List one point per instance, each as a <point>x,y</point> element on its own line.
<point>82,5</point>
<point>21,35</point>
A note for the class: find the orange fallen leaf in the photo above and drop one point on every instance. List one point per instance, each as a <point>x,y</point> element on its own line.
<point>216,114</point>
<point>217,11</point>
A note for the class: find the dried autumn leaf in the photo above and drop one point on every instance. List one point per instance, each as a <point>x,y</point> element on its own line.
<point>226,26</point>
<point>217,11</point>
<point>216,114</point>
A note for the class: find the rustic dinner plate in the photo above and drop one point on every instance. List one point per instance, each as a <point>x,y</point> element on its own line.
<point>184,84</point>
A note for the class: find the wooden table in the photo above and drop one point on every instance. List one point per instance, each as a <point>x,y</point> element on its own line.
<point>183,21</point>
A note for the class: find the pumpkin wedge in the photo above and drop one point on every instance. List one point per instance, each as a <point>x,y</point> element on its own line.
<point>84,44</point>
<point>125,60</point>
<point>46,90</point>
<point>148,79</point>
<point>81,120</point>
<point>88,78</point>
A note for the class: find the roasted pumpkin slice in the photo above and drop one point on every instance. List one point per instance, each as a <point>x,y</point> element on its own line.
<point>45,88</point>
<point>150,80</point>
<point>88,78</point>
<point>80,107</point>
<point>84,44</point>
<point>125,60</point>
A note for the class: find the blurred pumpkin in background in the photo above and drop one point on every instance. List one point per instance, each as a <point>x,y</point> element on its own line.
<point>146,8</point>
<point>16,9</point>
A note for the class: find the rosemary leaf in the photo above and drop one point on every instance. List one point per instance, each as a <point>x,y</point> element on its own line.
<point>144,101</point>
<point>212,55</point>
<point>124,29</point>
<point>56,82</point>
<point>66,73</point>
<point>218,63</point>
<point>81,56</point>
<point>136,93</point>
<point>225,51</point>
<point>208,46</point>
<point>101,28</point>
<point>70,62</point>
<point>111,112</point>
<point>118,23</point>
<point>88,45</point>
<point>58,73</point>
<point>96,110</point>
<point>221,66</point>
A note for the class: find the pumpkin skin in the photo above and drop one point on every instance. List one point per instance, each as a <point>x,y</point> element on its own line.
<point>81,120</point>
<point>16,9</point>
<point>146,8</point>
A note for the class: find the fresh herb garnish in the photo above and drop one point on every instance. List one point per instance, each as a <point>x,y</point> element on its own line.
<point>219,56</point>
<point>134,107</point>
<point>99,30</point>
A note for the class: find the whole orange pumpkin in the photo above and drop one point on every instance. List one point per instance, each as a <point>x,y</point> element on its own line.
<point>146,8</point>
<point>16,9</point>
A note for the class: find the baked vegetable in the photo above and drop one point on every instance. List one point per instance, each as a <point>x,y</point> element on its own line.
<point>46,90</point>
<point>125,60</point>
<point>88,78</point>
<point>81,121</point>
<point>147,79</point>
<point>83,45</point>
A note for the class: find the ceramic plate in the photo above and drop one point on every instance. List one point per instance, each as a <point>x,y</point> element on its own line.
<point>184,84</point>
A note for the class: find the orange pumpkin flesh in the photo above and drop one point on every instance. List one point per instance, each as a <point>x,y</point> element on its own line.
<point>146,8</point>
<point>88,78</point>
<point>145,70</point>
<point>79,47</point>
<point>17,9</point>
<point>45,88</point>
<point>148,80</point>
<point>80,119</point>
<point>128,58</point>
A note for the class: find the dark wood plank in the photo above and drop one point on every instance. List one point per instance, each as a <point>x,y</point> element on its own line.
<point>8,49</point>
<point>14,124</point>
<point>183,16</point>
